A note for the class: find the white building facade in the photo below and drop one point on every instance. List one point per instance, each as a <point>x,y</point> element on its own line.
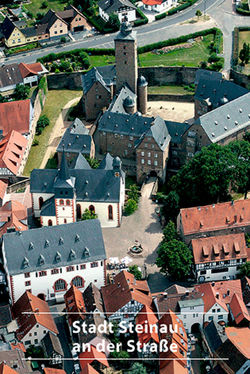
<point>159,7</point>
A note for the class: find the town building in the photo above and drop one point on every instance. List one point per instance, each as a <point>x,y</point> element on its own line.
<point>146,317</point>
<point>13,362</point>
<point>125,10</point>
<point>16,116</point>
<point>93,300</point>
<point>238,311</point>
<point>33,318</point>
<point>159,6</point>
<point>93,359</point>
<point>48,260</point>
<point>13,217</point>
<point>53,371</point>
<point>214,220</point>
<point>32,72</point>
<point>52,348</point>
<point>61,196</point>
<point>3,193</point>
<point>75,140</point>
<point>125,297</point>
<point>218,257</point>
<point>75,307</point>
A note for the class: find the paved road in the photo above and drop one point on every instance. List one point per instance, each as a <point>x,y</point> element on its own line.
<point>146,34</point>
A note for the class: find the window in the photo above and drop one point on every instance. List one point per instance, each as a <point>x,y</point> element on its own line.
<point>35,333</point>
<point>50,223</point>
<point>146,145</point>
<point>27,283</point>
<point>156,155</point>
<point>26,275</point>
<point>142,160</point>
<point>42,273</point>
<point>94,264</point>
<point>110,212</point>
<point>149,162</point>
<point>78,282</point>
<point>61,31</point>
<point>218,310</point>
<point>184,316</point>
<point>92,209</point>
<point>142,153</point>
<point>55,32</point>
<point>40,202</point>
<point>149,154</point>
<point>67,202</point>
<point>70,268</point>
<point>131,138</point>
<point>220,316</point>
<point>54,271</point>
<point>28,342</point>
<point>36,341</point>
<point>78,211</point>
<point>60,285</point>
<point>83,266</point>
<point>213,310</point>
<point>210,318</point>
<point>61,202</point>
<point>65,220</point>
<point>155,163</point>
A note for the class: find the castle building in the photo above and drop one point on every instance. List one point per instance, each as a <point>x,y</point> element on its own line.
<point>61,196</point>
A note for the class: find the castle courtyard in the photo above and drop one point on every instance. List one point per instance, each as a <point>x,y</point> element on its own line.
<point>171,110</point>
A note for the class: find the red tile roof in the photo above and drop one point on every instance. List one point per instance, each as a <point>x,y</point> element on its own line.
<point>5,369</point>
<point>74,304</point>
<point>89,370</point>
<point>179,338</point>
<point>152,2</point>
<point>3,188</point>
<point>12,149</point>
<point>86,358</point>
<point>15,115</point>
<point>224,290</point>
<point>18,345</point>
<point>173,367</point>
<point>218,248</point>
<point>240,337</point>
<point>145,318</point>
<point>12,213</point>
<point>40,314</point>
<point>239,309</point>
<point>53,371</point>
<point>124,289</point>
<point>215,217</point>
<point>30,69</point>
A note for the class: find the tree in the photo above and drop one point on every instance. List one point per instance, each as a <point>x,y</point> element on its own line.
<point>21,92</point>
<point>63,39</point>
<point>114,22</point>
<point>171,206</point>
<point>246,136</point>
<point>44,5</point>
<point>245,270</point>
<point>174,258</point>
<point>247,237</point>
<point>133,269</point>
<point>3,99</point>
<point>138,368</point>
<point>93,162</point>
<point>88,215</point>
<point>133,192</point>
<point>198,13</point>
<point>244,54</point>
<point>41,124</point>
<point>130,207</point>
<point>34,351</point>
<point>169,232</point>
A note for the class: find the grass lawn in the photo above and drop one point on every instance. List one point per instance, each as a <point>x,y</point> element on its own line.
<point>171,90</point>
<point>101,60</point>
<point>188,57</point>
<point>55,101</point>
<point>244,37</point>
<point>35,6</point>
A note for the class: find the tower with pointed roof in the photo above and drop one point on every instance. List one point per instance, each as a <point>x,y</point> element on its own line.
<point>65,199</point>
<point>126,58</point>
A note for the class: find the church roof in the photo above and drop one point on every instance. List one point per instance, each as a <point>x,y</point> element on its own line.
<point>119,101</point>
<point>107,162</point>
<point>80,162</point>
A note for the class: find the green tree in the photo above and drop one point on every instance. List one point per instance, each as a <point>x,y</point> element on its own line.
<point>34,351</point>
<point>63,39</point>
<point>245,270</point>
<point>138,368</point>
<point>169,232</point>
<point>123,357</point>
<point>246,136</point>
<point>113,22</point>
<point>198,13</point>
<point>88,215</point>
<point>41,124</point>
<point>244,54</point>
<point>130,207</point>
<point>247,237</point>
<point>3,99</point>
<point>21,92</point>
<point>93,162</point>
<point>133,192</point>
<point>174,258</point>
<point>44,5</point>
<point>171,206</point>
<point>133,269</point>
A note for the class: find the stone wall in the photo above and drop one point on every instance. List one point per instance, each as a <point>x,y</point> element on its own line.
<point>69,81</point>
<point>165,97</point>
<point>241,79</point>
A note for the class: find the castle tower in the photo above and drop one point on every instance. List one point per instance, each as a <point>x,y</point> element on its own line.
<point>65,200</point>
<point>129,105</point>
<point>126,58</point>
<point>142,94</point>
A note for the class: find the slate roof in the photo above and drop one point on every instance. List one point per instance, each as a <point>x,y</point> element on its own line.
<point>76,139</point>
<point>227,119</point>
<point>80,162</point>
<point>214,335</point>
<point>48,208</point>
<point>217,92</point>
<point>119,101</point>
<point>111,6</point>
<point>39,29</point>
<point>7,27</point>
<point>208,75</point>
<point>126,32</point>
<point>160,133</point>
<point>52,344</point>
<point>5,315</point>
<point>107,162</point>
<point>40,249</point>
<point>89,78</point>
<point>10,75</point>
<point>177,130</point>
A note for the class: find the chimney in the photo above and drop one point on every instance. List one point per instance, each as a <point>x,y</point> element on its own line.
<point>228,292</point>
<point>217,295</point>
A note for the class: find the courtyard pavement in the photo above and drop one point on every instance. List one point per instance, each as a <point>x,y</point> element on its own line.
<point>145,227</point>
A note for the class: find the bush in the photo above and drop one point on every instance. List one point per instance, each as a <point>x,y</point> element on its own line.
<point>213,58</point>
<point>217,66</point>
<point>41,124</point>
<point>44,5</point>
<point>21,92</point>
<point>243,11</point>
<point>181,7</point>
<point>35,143</point>
<point>63,39</point>
<point>130,207</point>
<point>160,16</point>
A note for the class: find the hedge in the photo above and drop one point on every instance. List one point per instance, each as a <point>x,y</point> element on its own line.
<point>235,46</point>
<point>160,16</point>
<point>181,7</point>
<point>180,39</point>
<point>143,19</point>
<point>243,11</point>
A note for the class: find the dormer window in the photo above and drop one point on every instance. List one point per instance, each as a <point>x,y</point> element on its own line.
<point>72,254</point>
<point>77,238</point>
<point>25,262</point>
<point>46,244</point>
<point>61,241</point>
<point>86,252</point>
<point>41,260</point>
<point>58,257</point>
<point>31,246</point>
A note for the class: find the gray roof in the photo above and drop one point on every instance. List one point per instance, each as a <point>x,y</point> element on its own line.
<point>92,76</point>
<point>50,247</point>
<point>207,74</point>
<point>49,208</point>
<point>76,139</point>
<point>214,335</point>
<point>190,302</point>
<point>80,162</point>
<point>126,32</point>
<point>217,92</point>
<point>108,73</point>
<point>107,162</point>
<point>52,344</point>
<point>117,105</point>
<point>176,130</point>
<point>111,6</point>
<point>10,75</point>
<point>160,133</point>
<point>90,184</point>
<point>7,27</point>
<point>227,119</point>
